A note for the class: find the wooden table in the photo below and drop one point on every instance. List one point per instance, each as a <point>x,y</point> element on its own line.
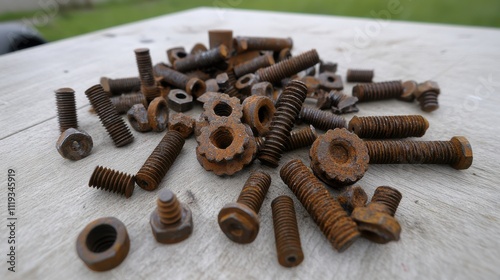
<point>450,218</point>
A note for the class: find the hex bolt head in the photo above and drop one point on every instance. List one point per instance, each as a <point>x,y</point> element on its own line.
<point>239,223</point>
<point>74,144</point>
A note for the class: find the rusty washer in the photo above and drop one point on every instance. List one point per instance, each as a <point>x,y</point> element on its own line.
<point>258,112</point>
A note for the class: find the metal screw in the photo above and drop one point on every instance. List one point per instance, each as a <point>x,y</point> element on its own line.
<point>457,152</point>
<point>339,229</point>
<point>359,76</point>
<point>112,181</point>
<point>427,95</point>
<point>114,124</point>
<point>253,65</point>
<point>193,86</point>
<point>384,127</point>
<point>282,122</point>
<point>120,86</point>
<point>201,60</point>
<point>378,91</point>
<point>160,161</point>
<point>262,43</point>
<point>300,138</point>
<point>124,102</point>
<point>286,232</point>
<point>145,67</point>
<point>240,221</point>
<point>66,109</point>
<point>286,68</point>
<point>321,119</point>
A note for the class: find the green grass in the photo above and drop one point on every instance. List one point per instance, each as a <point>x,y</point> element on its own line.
<point>73,22</point>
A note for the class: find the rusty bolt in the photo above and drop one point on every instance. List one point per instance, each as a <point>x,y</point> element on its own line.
<point>145,67</point>
<point>243,57</point>
<point>359,76</point>
<point>286,232</point>
<point>376,221</point>
<point>258,112</point>
<point>121,86</point>
<point>138,118</point>
<point>338,228</point>
<point>192,86</point>
<point>66,109</point>
<point>74,144</point>
<point>176,53</point>
<point>184,124</point>
<point>286,68</point>
<point>303,137</point>
<point>201,60</point>
<point>378,91</point>
<point>171,222</point>
<point>179,100</point>
<point>244,84</point>
<point>427,96</point>
<point>158,114</point>
<point>253,65</point>
<point>384,127</point>
<point>198,48</point>
<point>222,80</point>
<point>329,81</point>
<point>262,89</point>
<point>321,119</point>
<point>113,181</point>
<point>240,221</point>
<point>243,44</point>
<point>287,109</point>
<point>220,37</point>
<point>160,161</point>
<point>114,124</point>
<point>124,102</point>
<point>352,197</point>
<point>409,91</point>
<point>103,244</point>
<point>457,152</point>
<point>327,67</point>
<point>339,158</point>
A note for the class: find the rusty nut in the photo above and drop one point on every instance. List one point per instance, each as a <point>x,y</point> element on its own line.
<point>465,152</point>
<point>138,118</point>
<point>74,144</point>
<point>158,114</point>
<point>176,53</point>
<point>244,83</point>
<point>174,233</point>
<point>182,123</point>
<point>179,100</point>
<point>329,81</point>
<point>257,113</point>
<point>103,244</point>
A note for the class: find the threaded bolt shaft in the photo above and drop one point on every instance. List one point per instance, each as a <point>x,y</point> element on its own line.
<point>114,124</point>
<point>113,181</point>
<point>120,86</point>
<point>66,109</point>
<point>300,138</point>
<point>286,232</point>
<point>378,91</point>
<point>288,108</point>
<point>253,65</point>
<point>201,60</point>
<point>123,103</point>
<point>254,191</point>
<point>286,68</point>
<point>384,127</point>
<point>359,76</point>
<point>326,212</point>
<point>321,119</point>
<point>193,86</point>
<point>262,43</point>
<point>429,101</point>
<point>169,209</point>
<point>145,67</point>
<point>160,161</point>
<point>389,197</point>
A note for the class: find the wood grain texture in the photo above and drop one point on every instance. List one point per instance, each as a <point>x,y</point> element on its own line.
<point>450,218</point>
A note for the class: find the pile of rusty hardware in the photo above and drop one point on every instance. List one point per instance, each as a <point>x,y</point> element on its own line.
<point>253,92</point>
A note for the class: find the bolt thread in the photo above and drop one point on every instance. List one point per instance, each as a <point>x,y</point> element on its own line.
<point>286,232</point>
<point>145,67</point>
<point>66,109</point>
<point>286,68</point>
<point>412,152</point>
<point>112,181</point>
<point>336,97</point>
<point>253,65</point>
<point>231,89</point>
<point>202,59</point>
<point>326,212</point>
<point>160,161</point>
<point>359,76</point>
<point>255,189</point>
<point>389,197</point>
<point>171,76</point>
<point>169,209</point>
<point>383,127</point>
<point>429,101</point>
<point>300,138</point>
<point>263,43</point>
<point>378,91</point>
<point>120,86</point>
<point>114,124</point>
<point>124,102</point>
<point>282,123</point>
<point>150,93</point>
<point>322,119</point>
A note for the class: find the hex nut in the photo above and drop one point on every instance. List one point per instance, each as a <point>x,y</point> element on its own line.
<point>182,123</point>
<point>179,100</point>
<point>244,83</point>
<point>376,226</point>
<point>409,91</point>
<point>138,118</point>
<point>169,234</point>
<point>258,112</point>
<point>74,144</point>
<point>329,81</point>
<point>103,244</point>
<point>352,197</point>
<point>158,114</point>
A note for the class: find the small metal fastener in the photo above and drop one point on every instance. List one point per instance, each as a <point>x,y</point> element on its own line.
<point>283,54</point>
<point>222,80</point>
<point>385,127</point>
<point>321,119</point>
<point>158,114</point>
<point>286,68</point>
<point>74,144</point>
<point>145,67</point>
<point>121,85</point>
<point>327,67</point>
<point>138,118</point>
<point>201,60</point>
<point>242,44</point>
<point>378,91</point>
<point>244,84</point>
<point>222,106</point>
<point>124,102</point>
<point>220,37</point>
<point>171,222</point>
<point>409,91</point>
<point>198,48</point>
<point>113,181</point>
<point>262,89</point>
<point>192,86</point>
<point>181,123</point>
<point>330,81</point>
<point>303,137</point>
<point>66,109</point>
<point>427,95</point>
<point>253,65</point>
<point>103,244</point>
<point>352,197</point>
<point>176,53</point>
<point>240,221</point>
<point>179,100</point>
<point>359,76</point>
<point>257,113</point>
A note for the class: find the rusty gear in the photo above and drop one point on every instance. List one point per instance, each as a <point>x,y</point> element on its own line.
<point>221,106</point>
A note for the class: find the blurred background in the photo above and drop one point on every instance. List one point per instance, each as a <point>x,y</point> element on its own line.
<point>59,19</point>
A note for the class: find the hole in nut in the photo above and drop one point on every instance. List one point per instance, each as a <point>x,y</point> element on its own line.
<point>223,109</point>
<point>75,145</point>
<point>181,54</point>
<point>101,238</point>
<point>222,138</point>
<point>180,95</point>
<point>339,152</point>
<point>330,79</point>
<point>245,80</point>
<point>264,115</point>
